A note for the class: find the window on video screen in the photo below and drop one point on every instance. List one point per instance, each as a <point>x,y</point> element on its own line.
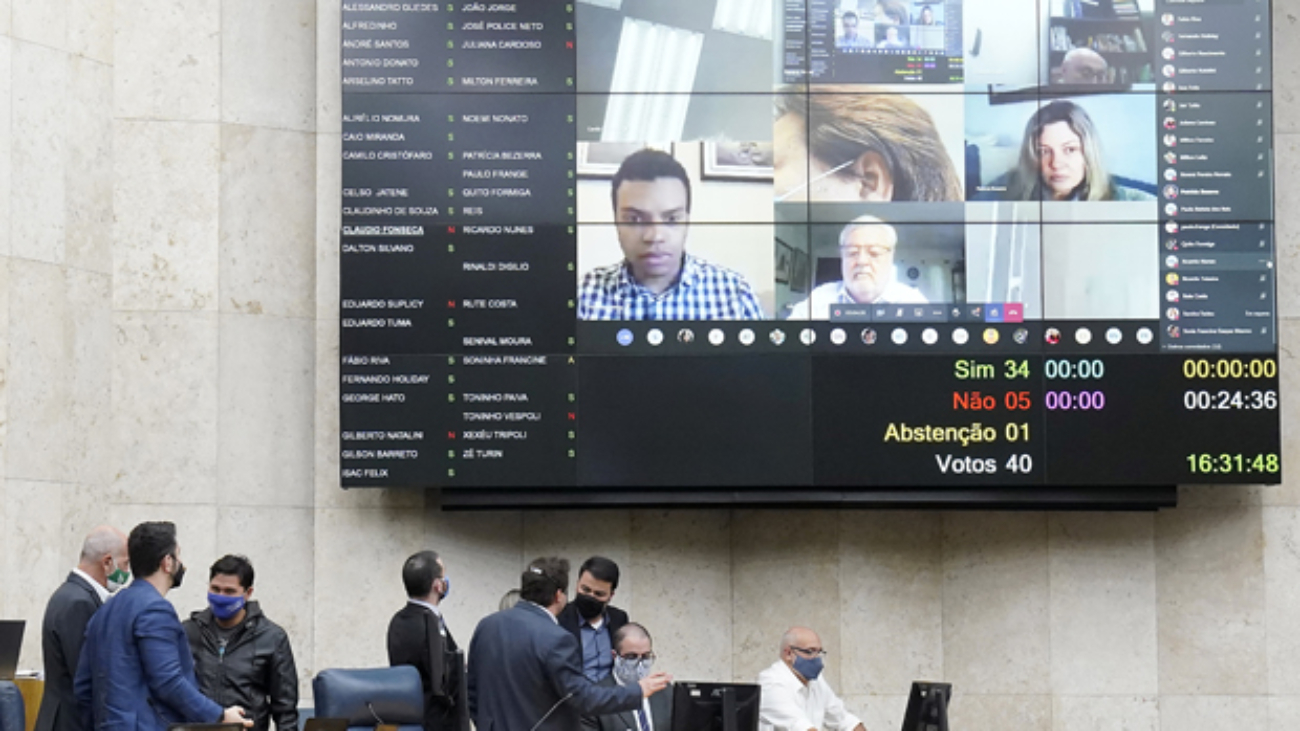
<point>873,41</point>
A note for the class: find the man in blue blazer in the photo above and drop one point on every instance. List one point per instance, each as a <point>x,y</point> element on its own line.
<point>523,666</point>
<point>136,672</point>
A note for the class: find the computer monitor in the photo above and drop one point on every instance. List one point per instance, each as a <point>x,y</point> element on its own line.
<point>715,707</point>
<point>11,643</point>
<point>927,707</point>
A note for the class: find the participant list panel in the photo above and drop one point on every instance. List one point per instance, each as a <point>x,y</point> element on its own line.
<point>458,244</point>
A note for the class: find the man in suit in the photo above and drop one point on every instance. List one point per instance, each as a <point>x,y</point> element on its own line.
<point>418,636</point>
<point>523,667</point>
<point>103,568</point>
<point>633,657</point>
<point>136,672</point>
<point>592,620</point>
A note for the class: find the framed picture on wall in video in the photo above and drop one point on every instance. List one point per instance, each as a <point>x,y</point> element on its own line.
<point>601,159</point>
<point>730,160</point>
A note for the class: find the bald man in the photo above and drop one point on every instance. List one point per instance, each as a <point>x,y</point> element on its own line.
<point>795,696</point>
<point>1084,66</point>
<point>102,569</point>
<point>867,246</point>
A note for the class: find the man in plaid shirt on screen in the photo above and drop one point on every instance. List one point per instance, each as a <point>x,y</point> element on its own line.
<point>657,279</point>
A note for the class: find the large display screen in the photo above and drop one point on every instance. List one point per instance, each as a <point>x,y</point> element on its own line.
<point>841,243</point>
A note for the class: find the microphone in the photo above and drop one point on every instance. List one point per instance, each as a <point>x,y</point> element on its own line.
<point>542,720</point>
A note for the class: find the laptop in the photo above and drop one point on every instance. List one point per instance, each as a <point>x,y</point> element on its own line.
<point>11,643</point>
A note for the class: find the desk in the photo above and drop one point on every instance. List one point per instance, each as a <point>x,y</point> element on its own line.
<point>32,691</point>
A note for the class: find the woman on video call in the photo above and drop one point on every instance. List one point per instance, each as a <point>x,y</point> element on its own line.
<point>1061,160</point>
<point>846,144</point>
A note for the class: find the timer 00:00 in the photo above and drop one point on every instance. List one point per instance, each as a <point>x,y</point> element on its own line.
<point>1066,401</point>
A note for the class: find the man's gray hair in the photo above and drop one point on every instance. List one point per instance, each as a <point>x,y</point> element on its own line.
<point>101,542</point>
<point>788,639</point>
<point>865,221</point>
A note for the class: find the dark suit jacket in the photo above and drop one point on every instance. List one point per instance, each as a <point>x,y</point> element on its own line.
<point>62,631</point>
<point>572,621</point>
<point>414,638</point>
<point>136,672</point>
<point>523,665</point>
<point>661,713</point>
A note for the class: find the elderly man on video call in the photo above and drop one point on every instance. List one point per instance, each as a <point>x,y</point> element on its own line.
<point>795,697</point>
<point>867,247</point>
<point>1084,66</point>
<point>657,279</point>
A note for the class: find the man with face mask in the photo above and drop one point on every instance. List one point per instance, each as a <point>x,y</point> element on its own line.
<point>523,672</point>
<point>795,697</point>
<point>136,672</point>
<point>633,656</point>
<point>418,636</point>
<point>102,569</point>
<point>591,619</point>
<point>240,656</point>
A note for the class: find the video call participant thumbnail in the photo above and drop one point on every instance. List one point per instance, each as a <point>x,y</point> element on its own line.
<point>1061,159</point>
<point>850,38</point>
<point>658,279</point>
<point>846,144</point>
<point>867,248</point>
<point>1084,66</point>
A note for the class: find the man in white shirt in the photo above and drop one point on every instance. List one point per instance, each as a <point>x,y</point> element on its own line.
<point>795,697</point>
<point>867,247</point>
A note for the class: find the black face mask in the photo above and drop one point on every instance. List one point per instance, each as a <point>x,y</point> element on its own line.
<point>179,576</point>
<point>589,607</point>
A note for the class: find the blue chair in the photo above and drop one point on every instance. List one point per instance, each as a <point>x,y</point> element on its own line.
<point>371,696</point>
<point>13,714</point>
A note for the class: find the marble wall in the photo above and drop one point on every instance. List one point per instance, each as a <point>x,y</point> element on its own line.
<point>169,214</point>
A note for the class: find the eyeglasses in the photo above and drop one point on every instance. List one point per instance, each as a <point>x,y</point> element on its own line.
<point>808,651</point>
<point>859,252</point>
<point>633,657</point>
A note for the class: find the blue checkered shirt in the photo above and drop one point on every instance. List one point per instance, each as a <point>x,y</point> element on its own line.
<point>703,292</point>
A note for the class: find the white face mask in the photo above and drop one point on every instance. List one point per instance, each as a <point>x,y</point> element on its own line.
<point>631,671</point>
<point>826,174</point>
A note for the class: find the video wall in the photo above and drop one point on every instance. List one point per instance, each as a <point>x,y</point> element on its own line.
<point>674,243</point>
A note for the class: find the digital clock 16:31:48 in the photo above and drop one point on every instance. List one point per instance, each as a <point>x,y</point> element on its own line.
<point>1233,464</point>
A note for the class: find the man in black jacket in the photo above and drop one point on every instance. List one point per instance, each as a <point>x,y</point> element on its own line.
<point>418,636</point>
<point>592,620</point>
<point>102,568</point>
<point>242,658</point>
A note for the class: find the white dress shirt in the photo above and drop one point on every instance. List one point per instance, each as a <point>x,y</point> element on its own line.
<point>100,590</point>
<point>818,304</point>
<point>789,705</point>
<point>645,705</point>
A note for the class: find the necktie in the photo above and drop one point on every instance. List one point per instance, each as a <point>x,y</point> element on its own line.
<point>645,722</point>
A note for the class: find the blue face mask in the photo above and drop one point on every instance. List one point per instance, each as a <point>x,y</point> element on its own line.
<point>810,668</point>
<point>225,607</point>
<point>446,587</point>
